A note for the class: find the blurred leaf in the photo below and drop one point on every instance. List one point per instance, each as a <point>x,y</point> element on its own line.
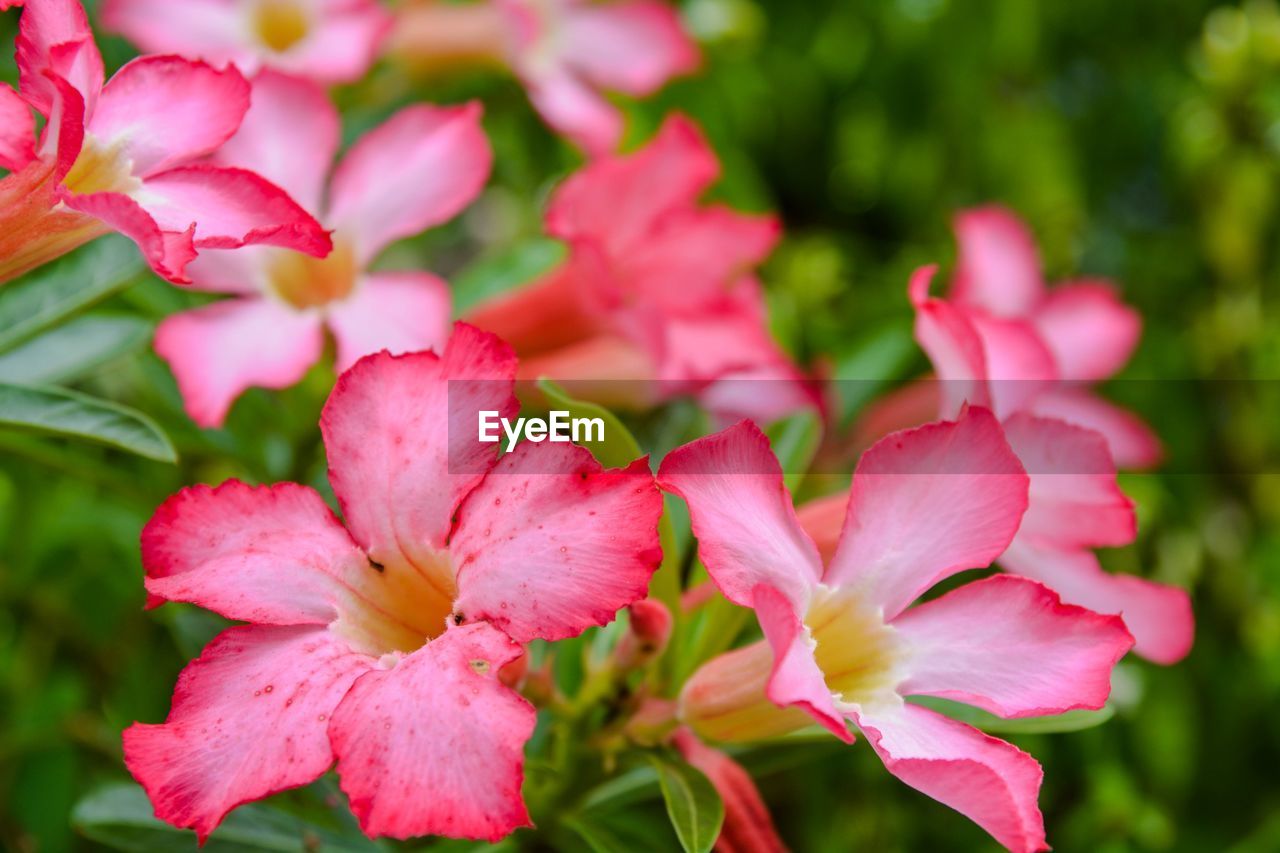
<point>1071,721</point>
<point>518,265</point>
<point>57,291</point>
<point>862,373</point>
<point>73,349</point>
<point>636,785</point>
<point>619,447</point>
<point>794,441</point>
<point>693,805</point>
<point>69,413</point>
<point>120,816</point>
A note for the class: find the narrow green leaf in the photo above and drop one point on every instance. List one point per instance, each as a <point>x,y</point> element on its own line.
<point>873,363</point>
<point>120,816</point>
<point>1071,721</point>
<point>795,440</point>
<point>693,805</point>
<point>68,413</point>
<point>55,292</point>
<point>73,349</point>
<point>618,448</point>
<point>495,275</point>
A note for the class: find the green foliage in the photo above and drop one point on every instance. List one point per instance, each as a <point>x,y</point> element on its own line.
<point>693,805</point>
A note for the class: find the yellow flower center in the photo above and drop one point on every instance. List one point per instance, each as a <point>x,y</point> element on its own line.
<point>307,282</point>
<point>101,168</point>
<point>281,24</point>
<point>855,650</point>
<point>401,604</point>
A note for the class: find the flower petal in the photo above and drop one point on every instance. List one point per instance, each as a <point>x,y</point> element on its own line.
<point>927,503</point>
<point>633,46</point>
<point>1158,615</point>
<point>17,130</point>
<point>1010,646</point>
<point>230,208</point>
<point>400,433</point>
<point>796,680</point>
<point>1075,501</point>
<point>949,338</point>
<point>1133,444</point>
<point>1090,331</point>
<point>395,311</point>
<point>219,351</point>
<point>249,718</point>
<point>575,110</point>
<point>212,30</point>
<point>343,42</point>
<point>290,136</point>
<point>618,199</point>
<point>435,745</point>
<point>550,543</point>
<point>418,169</point>
<point>991,782</point>
<point>268,554</point>
<point>54,39</point>
<point>742,515</point>
<point>166,111</point>
<point>167,251</point>
<point>998,268</point>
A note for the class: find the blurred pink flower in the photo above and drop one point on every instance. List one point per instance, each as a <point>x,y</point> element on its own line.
<point>841,641</point>
<point>124,156</point>
<point>657,296</point>
<point>416,170</point>
<point>378,644</point>
<point>329,41</point>
<point>566,52</point>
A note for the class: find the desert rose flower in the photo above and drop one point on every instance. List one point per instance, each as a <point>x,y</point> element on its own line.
<point>124,156</point>
<point>566,52</point>
<point>657,288</point>
<point>843,645</point>
<point>1076,503</point>
<point>330,41</point>
<point>377,641</point>
<point>414,171</point>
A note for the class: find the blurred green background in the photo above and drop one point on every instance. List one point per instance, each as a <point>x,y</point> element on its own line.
<point>1140,140</point>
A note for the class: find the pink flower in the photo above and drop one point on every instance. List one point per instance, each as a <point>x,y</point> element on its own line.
<point>330,41</point>
<point>1076,504</point>
<point>378,644</point>
<point>124,156</point>
<point>566,52</point>
<point>842,643</point>
<point>416,170</point>
<point>657,296</point>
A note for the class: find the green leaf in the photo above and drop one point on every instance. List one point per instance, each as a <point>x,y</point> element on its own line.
<point>120,816</point>
<point>693,805</point>
<point>55,292</point>
<point>74,349</point>
<point>618,447</point>
<point>1071,721</point>
<point>68,413</point>
<point>794,440</point>
<point>874,363</point>
<point>493,276</point>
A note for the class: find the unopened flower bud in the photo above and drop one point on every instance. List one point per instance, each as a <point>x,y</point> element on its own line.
<point>647,635</point>
<point>724,700</point>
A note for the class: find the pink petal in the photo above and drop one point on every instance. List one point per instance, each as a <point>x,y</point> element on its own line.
<point>1159,616</point>
<point>550,543</point>
<point>290,136</point>
<point>212,30</point>
<point>726,335</point>
<point>248,720</point>
<point>419,168</point>
<point>998,268</point>
<point>991,782</point>
<point>742,515</point>
<point>1090,331</point>
<point>395,311</point>
<point>925,504</point>
<point>166,111</point>
<point>574,109</point>
<point>747,827</point>
<point>823,519</point>
<point>400,433</point>
<point>434,746</point>
<point>267,554</point>
<point>17,130</point>
<point>619,199</point>
<point>54,39</point>
<point>950,339</point>
<point>230,208</point>
<point>167,251</point>
<point>223,349</point>
<point>1019,366</point>
<point>796,680</point>
<point>244,271</point>
<point>1075,501</point>
<point>633,46</point>
<point>342,45</point>
<point>1133,444</point>
<point>1010,646</point>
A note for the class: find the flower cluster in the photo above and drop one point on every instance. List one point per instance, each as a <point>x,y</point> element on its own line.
<point>407,635</point>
